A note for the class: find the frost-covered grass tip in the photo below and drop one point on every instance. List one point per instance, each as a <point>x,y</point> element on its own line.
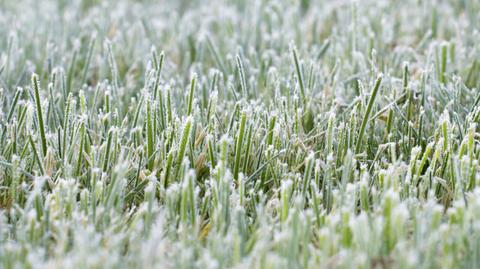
<point>239,134</point>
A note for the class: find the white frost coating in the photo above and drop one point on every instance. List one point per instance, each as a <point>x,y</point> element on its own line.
<point>303,197</point>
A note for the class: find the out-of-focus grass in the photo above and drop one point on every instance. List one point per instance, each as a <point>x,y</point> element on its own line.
<point>246,134</point>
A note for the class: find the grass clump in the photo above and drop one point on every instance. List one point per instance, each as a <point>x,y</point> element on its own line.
<point>239,134</point>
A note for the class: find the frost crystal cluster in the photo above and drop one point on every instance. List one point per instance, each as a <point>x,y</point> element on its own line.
<point>239,134</point>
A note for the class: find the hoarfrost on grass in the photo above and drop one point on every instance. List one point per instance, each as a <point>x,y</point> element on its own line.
<point>239,134</point>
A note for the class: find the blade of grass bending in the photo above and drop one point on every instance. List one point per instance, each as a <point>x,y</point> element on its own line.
<point>107,151</point>
<point>263,166</point>
<point>89,57</point>
<point>216,54</point>
<point>247,150</point>
<point>299,74</point>
<point>238,146</point>
<point>150,135</point>
<point>211,152</point>
<point>66,124</point>
<point>70,72</point>
<point>183,145</point>
<point>35,154</point>
<point>190,96</point>
<point>9,165</point>
<point>241,73</point>
<point>158,67</point>
<point>371,101</point>
<point>38,104</point>
<point>80,150</point>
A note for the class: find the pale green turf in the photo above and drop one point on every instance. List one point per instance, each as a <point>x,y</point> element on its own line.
<point>246,134</point>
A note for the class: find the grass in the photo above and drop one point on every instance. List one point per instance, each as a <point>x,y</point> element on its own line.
<point>239,134</point>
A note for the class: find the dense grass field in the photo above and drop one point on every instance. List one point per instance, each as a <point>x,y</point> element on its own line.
<point>239,134</point>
